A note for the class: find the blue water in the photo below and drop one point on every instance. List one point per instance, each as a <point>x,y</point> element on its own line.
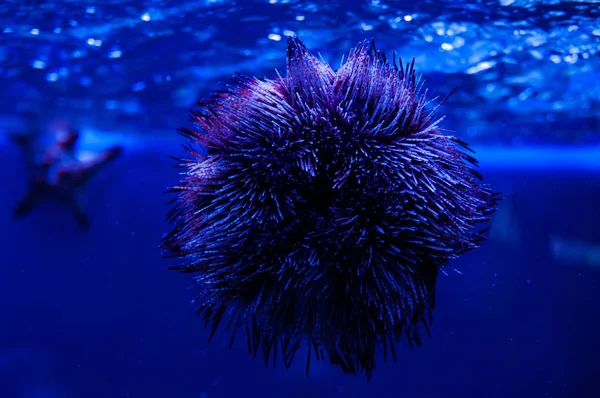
<point>97,314</point>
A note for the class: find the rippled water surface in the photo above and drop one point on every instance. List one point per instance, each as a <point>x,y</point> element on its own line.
<point>528,70</point>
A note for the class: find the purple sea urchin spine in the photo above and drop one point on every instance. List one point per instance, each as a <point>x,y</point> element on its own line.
<point>324,208</point>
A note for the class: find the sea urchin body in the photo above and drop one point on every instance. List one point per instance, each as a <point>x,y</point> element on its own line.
<point>324,208</point>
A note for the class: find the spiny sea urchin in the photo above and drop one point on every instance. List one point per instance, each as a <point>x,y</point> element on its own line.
<point>324,208</point>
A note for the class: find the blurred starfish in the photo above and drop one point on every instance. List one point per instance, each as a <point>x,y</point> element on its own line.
<point>56,171</point>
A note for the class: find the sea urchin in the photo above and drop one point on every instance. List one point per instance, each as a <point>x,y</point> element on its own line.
<point>324,207</point>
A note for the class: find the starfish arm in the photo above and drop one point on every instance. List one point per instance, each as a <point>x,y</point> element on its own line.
<point>25,142</point>
<point>28,203</point>
<point>90,167</point>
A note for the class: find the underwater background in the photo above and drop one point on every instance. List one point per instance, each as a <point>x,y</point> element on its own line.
<point>96,313</point>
